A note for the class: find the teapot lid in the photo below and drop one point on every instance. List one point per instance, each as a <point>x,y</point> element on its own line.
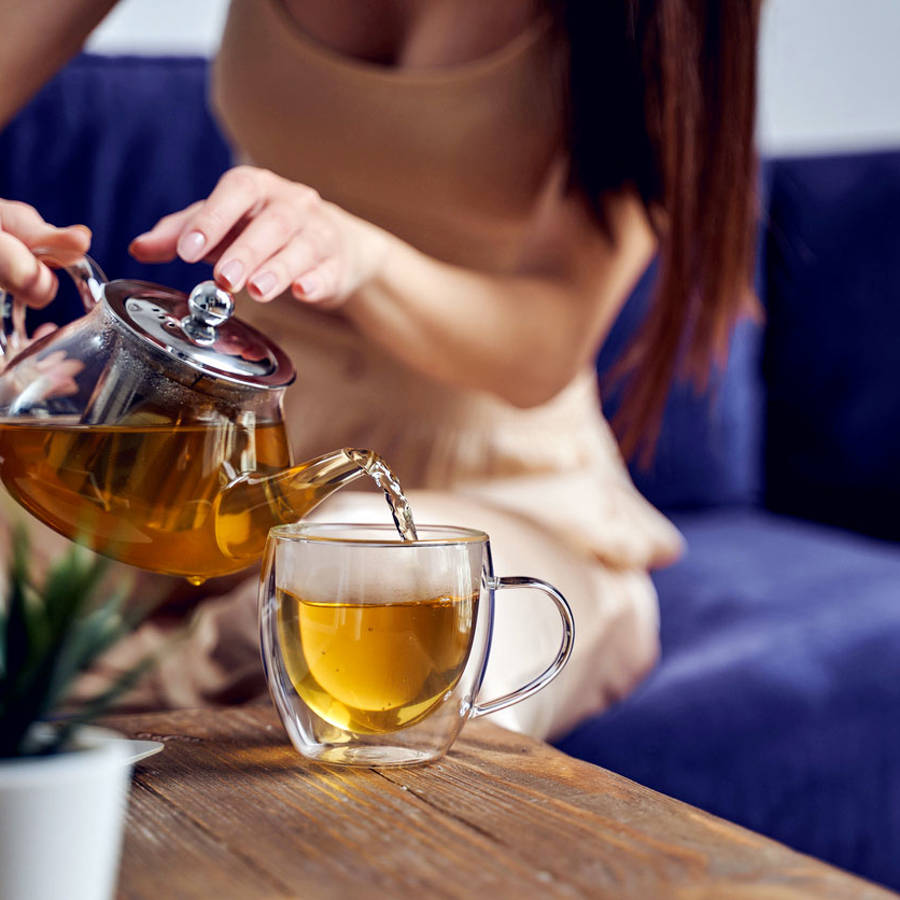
<point>198,330</point>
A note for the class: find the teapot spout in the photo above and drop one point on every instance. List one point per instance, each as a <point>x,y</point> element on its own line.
<point>250,505</point>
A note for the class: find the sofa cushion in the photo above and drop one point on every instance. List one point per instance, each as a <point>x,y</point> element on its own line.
<point>832,361</point>
<point>776,700</point>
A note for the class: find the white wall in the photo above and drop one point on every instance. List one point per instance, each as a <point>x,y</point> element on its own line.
<point>829,75</point>
<point>161,26</point>
<point>830,69</point>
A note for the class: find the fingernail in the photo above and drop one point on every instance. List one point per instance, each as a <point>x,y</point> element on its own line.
<point>309,284</point>
<point>190,246</point>
<point>264,283</point>
<point>231,273</point>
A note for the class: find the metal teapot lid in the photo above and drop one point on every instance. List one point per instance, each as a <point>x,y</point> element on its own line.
<point>198,330</point>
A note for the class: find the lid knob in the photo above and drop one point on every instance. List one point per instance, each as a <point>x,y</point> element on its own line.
<point>210,306</point>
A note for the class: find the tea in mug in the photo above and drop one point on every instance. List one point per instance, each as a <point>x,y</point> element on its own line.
<point>375,667</point>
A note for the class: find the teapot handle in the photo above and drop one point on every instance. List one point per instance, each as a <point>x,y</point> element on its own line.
<point>88,278</point>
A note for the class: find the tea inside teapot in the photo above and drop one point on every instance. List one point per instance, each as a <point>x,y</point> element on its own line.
<point>159,496</point>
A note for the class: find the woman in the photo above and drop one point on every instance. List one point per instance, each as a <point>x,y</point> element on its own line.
<point>441,208</point>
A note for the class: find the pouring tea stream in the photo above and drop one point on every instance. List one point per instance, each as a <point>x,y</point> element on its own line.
<point>152,428</point>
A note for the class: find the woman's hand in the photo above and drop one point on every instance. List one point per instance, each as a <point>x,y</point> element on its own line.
<point>22,231</point>
<point>270,235</point>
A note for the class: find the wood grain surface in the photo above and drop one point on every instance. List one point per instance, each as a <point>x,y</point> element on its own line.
<point>229,810</point>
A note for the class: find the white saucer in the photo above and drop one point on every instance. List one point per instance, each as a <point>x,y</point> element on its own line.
<point>142,749</point>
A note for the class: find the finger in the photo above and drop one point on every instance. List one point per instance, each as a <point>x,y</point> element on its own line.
<point>320,284</point>
<point>274,275</point>
<point>62,246</point>
<point>55,358</point>
<point>237,193</point>
<point>23,274</point>
<point>63,249</point>
<point>67,370</point>
<point>66,389</point>
<point>43,331</point>
<point>158,244</point>
<point>212,257</point>
<point>268,233</point>
<point>25,223</point>
<point>20,218</point>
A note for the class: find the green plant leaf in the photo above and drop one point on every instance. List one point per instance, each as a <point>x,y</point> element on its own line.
<point>90,637</point>
<point>52,632</point>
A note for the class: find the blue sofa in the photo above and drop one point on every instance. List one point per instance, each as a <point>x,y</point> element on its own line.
<point>776,701</point>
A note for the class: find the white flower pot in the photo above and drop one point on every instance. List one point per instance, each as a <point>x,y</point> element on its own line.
<point>61,820</point>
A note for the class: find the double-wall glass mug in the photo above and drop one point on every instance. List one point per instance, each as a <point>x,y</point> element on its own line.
<point>375,648</point>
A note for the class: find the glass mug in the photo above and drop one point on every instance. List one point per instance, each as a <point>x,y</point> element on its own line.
<point>374,647</point>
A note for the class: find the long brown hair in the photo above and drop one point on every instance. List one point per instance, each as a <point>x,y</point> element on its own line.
<point>662,100</point>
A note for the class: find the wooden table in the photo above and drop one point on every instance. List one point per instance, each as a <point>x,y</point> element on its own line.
<point>229,810</point>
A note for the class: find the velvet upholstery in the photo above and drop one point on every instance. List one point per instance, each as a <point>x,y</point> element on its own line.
<point>776,701</point>
<point>833,277</point>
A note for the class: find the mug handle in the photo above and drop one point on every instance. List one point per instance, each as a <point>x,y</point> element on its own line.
<point>89,280</point>
<point>562,656</point>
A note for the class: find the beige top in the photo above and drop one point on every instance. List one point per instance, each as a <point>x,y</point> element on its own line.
<point>453,161</point>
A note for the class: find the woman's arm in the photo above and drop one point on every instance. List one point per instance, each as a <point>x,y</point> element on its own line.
<point>522,336</point>
<point>37,37</point>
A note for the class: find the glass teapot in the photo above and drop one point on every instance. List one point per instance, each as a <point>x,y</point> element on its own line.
<point>152,428</point>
